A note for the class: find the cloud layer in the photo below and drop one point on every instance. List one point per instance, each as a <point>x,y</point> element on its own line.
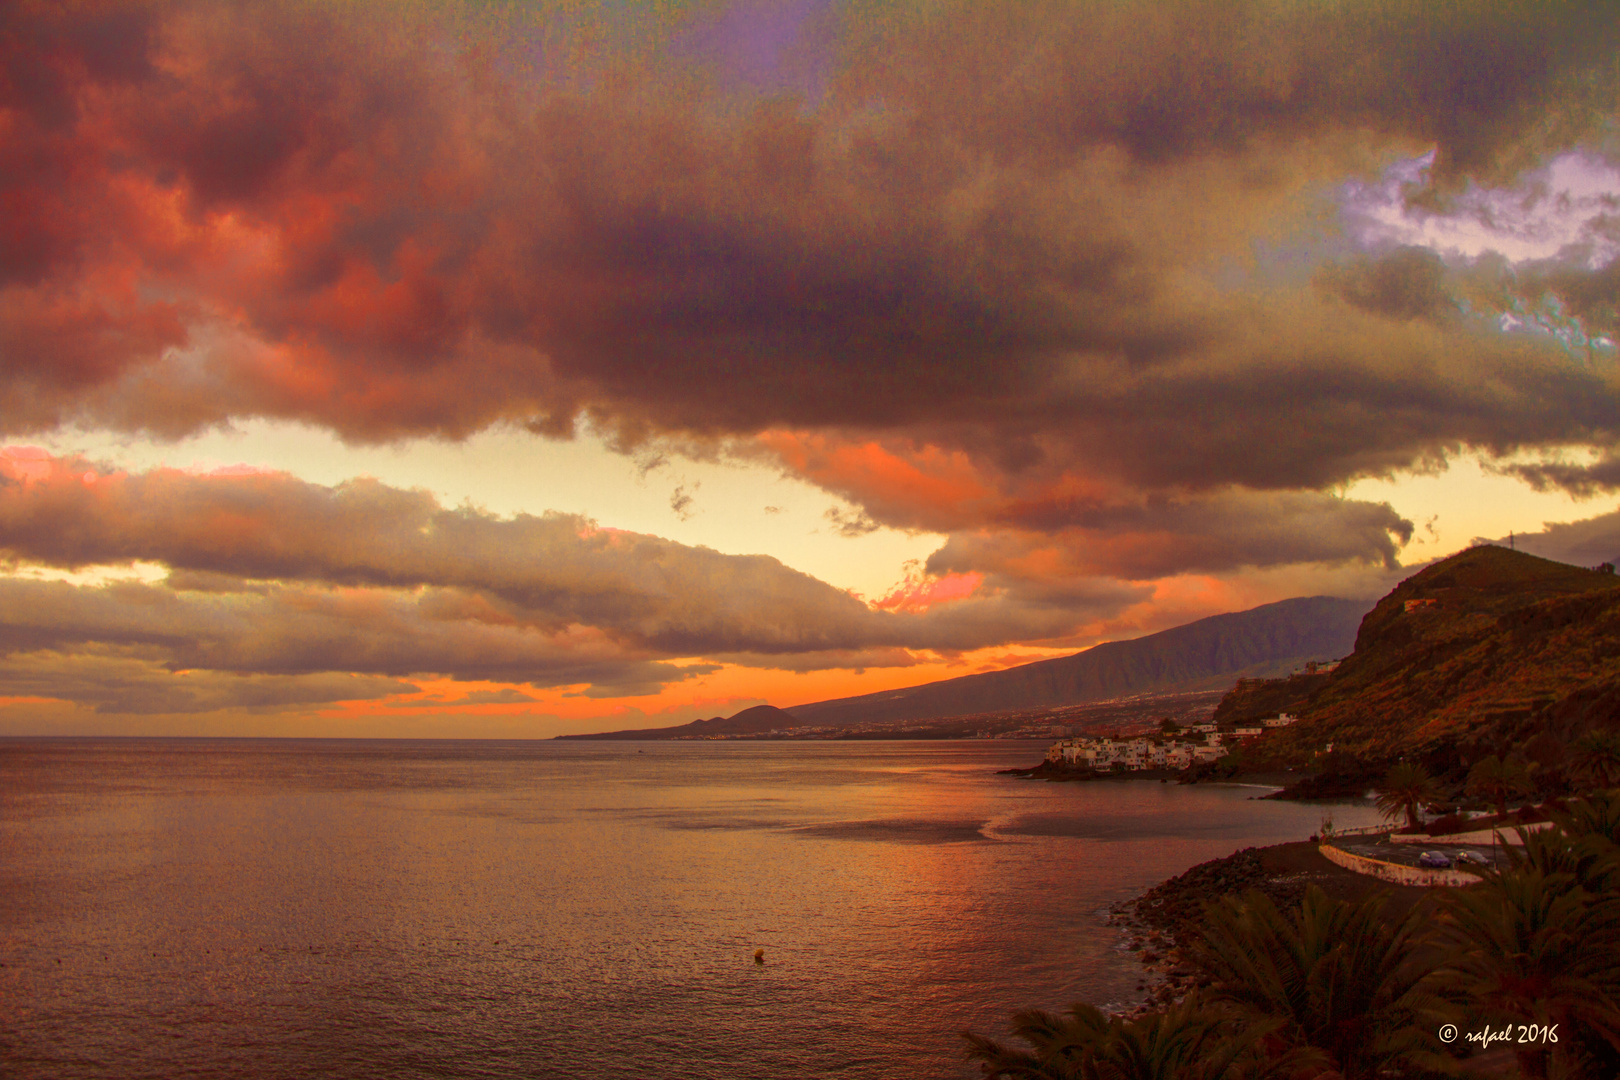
<point>1070,284</point>
<point>1001,239</point>
<point>271,575</point>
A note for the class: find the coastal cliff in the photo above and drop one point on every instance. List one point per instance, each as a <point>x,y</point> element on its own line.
<point>1490,651</point>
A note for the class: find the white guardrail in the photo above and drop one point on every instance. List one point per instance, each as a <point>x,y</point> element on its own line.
<point>1362,830</point>
<point>1396,873</point>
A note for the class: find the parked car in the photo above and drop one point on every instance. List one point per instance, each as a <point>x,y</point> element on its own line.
<point>1477,858</point>
<point>1435,860</point>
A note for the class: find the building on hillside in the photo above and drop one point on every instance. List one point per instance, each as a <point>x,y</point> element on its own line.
<point>1280,720</point>
<point>1105,754</point>
<point>1179,756</point>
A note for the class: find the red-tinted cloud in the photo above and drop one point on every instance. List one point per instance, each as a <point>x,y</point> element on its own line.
<point>918,592</point>
<point>379,221</point>
<point>548,579</point>
<point>999,280</point>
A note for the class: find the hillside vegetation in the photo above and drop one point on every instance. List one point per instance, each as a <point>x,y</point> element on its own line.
<point>1491,651</point>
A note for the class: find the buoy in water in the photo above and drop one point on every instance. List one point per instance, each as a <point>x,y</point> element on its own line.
<point>759,956</point>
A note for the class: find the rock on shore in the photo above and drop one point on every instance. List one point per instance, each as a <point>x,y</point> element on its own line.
<point>1163,921</point>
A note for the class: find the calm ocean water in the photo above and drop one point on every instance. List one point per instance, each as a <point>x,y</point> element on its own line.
<point>291,908</point>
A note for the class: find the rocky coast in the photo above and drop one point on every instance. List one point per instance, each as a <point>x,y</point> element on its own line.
<point>1161,923</point>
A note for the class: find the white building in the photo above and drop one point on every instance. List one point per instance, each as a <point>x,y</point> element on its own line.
<point>1179,756</point>
<point>1104,754</point>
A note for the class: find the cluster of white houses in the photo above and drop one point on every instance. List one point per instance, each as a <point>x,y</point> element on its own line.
<point>1188,746</point>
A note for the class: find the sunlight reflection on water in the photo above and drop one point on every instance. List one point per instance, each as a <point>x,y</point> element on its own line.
<point>201,908</point>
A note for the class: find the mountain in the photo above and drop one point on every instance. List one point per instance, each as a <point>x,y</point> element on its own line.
<point>1203,655</point>
<point>1488,651</point>
<point>748,722</point>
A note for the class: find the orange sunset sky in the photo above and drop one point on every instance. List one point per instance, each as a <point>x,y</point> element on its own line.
<point>439,369</point>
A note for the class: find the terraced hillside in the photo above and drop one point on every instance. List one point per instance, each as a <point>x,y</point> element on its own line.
<point>1489,651</point>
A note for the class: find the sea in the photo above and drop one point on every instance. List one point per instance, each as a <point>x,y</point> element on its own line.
<point>326,908</point>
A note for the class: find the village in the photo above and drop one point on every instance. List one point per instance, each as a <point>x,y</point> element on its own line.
<point>1173,748</point>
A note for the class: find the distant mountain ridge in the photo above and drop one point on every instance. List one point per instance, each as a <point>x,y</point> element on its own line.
<point>1205,655</point>
<point>752,721</point>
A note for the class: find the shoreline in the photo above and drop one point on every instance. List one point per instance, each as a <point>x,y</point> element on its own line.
<point>1161,922</point>
<point>1282,782</point>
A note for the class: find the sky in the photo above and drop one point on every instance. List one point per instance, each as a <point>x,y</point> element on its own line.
<point>516,369</point>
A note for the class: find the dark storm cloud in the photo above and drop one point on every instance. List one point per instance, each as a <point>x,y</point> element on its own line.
<point>997,280</point>
<point>1406,283</point>
<point>984,230</point>
<point>1580,480</point>
<point>1204,535</point>
<point>1574,292</point>
<point>1489,84</point>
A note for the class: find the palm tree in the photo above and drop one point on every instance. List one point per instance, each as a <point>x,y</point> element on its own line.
<point>1597,815</point>
<point>1061,1046</point>
<point>1405,787</point>
<point>1497,780</point>
<point>1539,948</point>
<point>1596,759</point>
<point>1583,851</point>
<point>1564,860</point>
<point>1188,1041</point>
<point>1339,977</point>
